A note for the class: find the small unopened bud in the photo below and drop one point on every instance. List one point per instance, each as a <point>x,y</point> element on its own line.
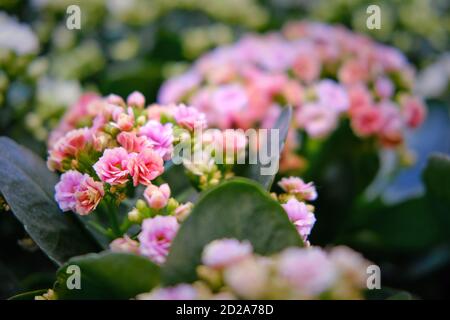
<point>141,120</point>
<point>135,216</point>
<point>211,276</point>
<point>172,205</point>
<point>183,211</point>
<point>141,205</point>
<point>136,99</point>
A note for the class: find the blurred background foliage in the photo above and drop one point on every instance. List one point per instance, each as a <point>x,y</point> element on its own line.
<point>134,45</point>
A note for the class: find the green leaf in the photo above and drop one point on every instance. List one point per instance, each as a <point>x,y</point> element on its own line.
<point>388,293</point>
<point>238,208</point>
<point>436,177</point>
<point>108,275</point>
<point>253,171</point>
<point>28,295</point>
<point>28,188</point>
<point>407,227</point>
<point>342,166</point>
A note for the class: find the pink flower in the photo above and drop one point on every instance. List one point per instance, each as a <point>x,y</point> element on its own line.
<point>112,166</point>
<point>76,113</point>
<point>178,292</point>
<point>123,120</point>
<point>125,244</point>
<point>384,88</point>
<point>115,99</point>
<point>300,216</point>
<point>131,142</point>
<point>189,118</point>
<point>66,188</point>
<point>317,120</point>
<point>145,166</point>
<point>351,265</point>
<point>156,237</point>
<point>307,66</point>
<point>309,270</point>
<point>366,121</point>
<point>160,137</point>
<point>68,146</point>
<point>228,100</point>
<point>352,72</point>
<point>359,97</point>
<point>225,252</point>
<point>413,110</point>
<point>293,93</point>
<point>332,95</point>
<point>88,195</point>
<point>136,99</point>
<point>391,131</point>
<point>299,188</point>
<point>157,197</point>
<point>175,89</point>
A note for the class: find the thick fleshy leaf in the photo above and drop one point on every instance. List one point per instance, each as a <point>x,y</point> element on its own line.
<point>436,177</point>
<point>107,275</point>
<point>28,188</point>
<point>407,227</point>
<point>238,208</point>
<point>253,171</point>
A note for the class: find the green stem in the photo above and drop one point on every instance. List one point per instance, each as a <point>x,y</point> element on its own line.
<point>111,211</point>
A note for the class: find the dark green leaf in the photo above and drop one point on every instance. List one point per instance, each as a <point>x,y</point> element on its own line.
<point>406,227</point>
<point>108,275</point>
<point>253,171</point>
<point>238,208</point>
<point>28,295</point>
<point>436,177</point>
<point>28,188</point>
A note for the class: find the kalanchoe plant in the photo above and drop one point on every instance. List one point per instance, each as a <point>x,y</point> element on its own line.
<point>328,74</point>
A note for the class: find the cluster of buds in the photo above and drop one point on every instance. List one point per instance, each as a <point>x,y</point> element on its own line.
<point>231,270</point>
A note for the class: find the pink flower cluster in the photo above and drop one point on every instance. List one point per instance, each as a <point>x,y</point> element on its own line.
<point>231,268</point>
<point>113,145</point>
<point>325,72</point>
<point>293,201</point>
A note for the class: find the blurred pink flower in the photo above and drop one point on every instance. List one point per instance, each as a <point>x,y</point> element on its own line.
<point>189,118</point>
<point>307,66</point>
<point>384,88</point>
<point>308,270</point>
<point>224,252</point>
<point>366,121</point>
<point>176,88</point>
<point>413,110</point>
<point>156,237</point>
<point>178,292</point>
<point>317,120</point>
<point>136,99</point>
<point>332,95</point>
